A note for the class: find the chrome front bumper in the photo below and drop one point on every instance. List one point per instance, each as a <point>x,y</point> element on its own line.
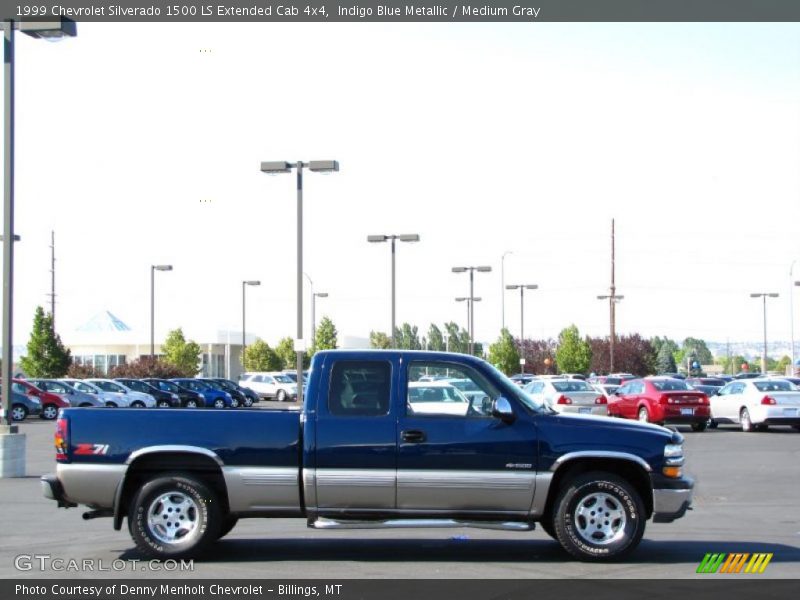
<point>672,503</point>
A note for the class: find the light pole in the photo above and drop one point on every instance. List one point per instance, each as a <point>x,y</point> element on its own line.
<point>503,288</point>
<point>245,283</point>
<point>470,300</point>
<point>612,298</point>
<point>763,296</point>
<point>314,297</point>
<point>276,168</point>
<point>153,269</point>
<point>792,283</point>
<point>522,288</point>
<point>792,308</point>
<point>406,237</point>
<point>482,269</point>
<point>51,30</point>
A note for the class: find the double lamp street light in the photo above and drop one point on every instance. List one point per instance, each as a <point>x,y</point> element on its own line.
<point>277,168</point>
<point>405,237</point>
<point>481,269</point>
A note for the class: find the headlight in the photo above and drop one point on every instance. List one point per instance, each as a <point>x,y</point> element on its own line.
<point>228,396</point>
<point>202,396</point>
<point>175,396</point>
<point>671,450</point>
<point>673,460</point>
<point>35,401</point>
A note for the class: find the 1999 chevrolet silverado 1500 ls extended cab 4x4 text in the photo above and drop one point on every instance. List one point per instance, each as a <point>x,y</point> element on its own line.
<point>369,449</point>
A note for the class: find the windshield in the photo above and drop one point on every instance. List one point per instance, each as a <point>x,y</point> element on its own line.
<point>774,386</point>
<point>670,385</point>
<point>435,394</point>
<point>168,386</point>
<point>572,386</point>
<point>292,376</point>
<point>82,386</point>
<point>465,385</point>
<point>283,379</point>
<point>108,386</point>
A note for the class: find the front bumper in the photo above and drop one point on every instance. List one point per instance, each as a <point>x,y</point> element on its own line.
<point>671,497</point>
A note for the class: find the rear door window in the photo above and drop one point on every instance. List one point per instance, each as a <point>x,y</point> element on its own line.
<point>360,388</point>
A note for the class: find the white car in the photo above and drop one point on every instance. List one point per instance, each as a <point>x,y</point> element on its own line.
<point>110,399</point>
<point>436,398</point>
<point>756,404</point>
<point>568,396</point>
<point>135,399</point>
<point>270,385</point>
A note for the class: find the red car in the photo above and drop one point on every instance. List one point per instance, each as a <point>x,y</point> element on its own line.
<point>661,400</point>
<point>49,401</point>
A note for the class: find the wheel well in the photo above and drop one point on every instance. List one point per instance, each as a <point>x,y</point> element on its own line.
<point>148,466</point>
<point>628,470</point>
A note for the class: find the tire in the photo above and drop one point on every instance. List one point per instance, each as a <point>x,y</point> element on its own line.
<point>191,403</point>
<point>228,523</point>
<point>219,403</point>
<point>712,424</point>
<point>164,404</point>
<point>599,492</point>
<point>196,506</point>
<point>19,412</point>
<point>137,404</point>
<point>49,412</point>
<point>248,402</point>
<point>280,396</point>
<point>643,415</point>
<point>234,403</point>
<point>111,405</point>
<point>744,419</point>
<point>699,426</point>
<point>796,427</point>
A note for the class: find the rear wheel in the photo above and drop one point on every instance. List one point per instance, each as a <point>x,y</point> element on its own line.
<point>280,396</point>
<point>644,416</point>
<point>137,404</point>
<point>234,403</point>
<point>744,419</point>
<point>49,412</point>
<point>248,401</point>
<point>712,424</point>
<point>19,412</point>
<point>219,403</point>
<point>111,405</point>
<point>164,404</point>
<point>599,517</point>
<point>191,403</point>
<point>174,516</point>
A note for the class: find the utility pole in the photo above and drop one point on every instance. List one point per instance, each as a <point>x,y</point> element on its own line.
<point>612,301</point>
<point>53,277</point>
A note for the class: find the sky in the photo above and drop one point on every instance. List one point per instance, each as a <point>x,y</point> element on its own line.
<point>140,144</point>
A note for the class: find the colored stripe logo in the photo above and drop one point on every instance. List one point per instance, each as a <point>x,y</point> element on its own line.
<point>734,563</point>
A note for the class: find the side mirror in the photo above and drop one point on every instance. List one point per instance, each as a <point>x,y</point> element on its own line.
<point>501,409</point>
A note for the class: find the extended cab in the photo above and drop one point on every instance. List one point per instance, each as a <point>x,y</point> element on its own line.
<point>359,454</point>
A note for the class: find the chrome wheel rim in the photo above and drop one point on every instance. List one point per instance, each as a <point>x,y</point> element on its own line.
<point>50,412</point>
<point>746,424</point>
<point>248,402</point>
<point>173,518</point>
<point>17,413</point>
<point>164,404</point>
<point>643,415</point>
<point>600,519</point>
<point>219,404</point>
<point>191,404</point>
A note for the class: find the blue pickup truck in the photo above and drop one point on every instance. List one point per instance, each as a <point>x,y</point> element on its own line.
<point>382,440</point>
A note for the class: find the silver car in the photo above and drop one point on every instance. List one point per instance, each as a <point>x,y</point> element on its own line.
<point>568,396</point>
<point>68,393</point>
<point>135,399</point>
<point>755,404</point>
<point>110,399</point>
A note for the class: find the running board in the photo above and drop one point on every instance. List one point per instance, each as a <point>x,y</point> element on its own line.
<point>324,523</point>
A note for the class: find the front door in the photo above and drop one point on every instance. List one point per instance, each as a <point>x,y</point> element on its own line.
<point>453,456</point>
<point>355,462</point>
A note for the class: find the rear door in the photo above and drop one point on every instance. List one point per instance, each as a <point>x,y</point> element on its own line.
<point>355,463</point>
<point>460,461</point>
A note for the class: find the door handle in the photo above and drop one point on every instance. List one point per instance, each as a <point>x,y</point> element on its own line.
<point>413,435</point>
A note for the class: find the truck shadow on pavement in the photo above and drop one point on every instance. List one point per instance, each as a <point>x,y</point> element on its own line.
<point>465,549</point>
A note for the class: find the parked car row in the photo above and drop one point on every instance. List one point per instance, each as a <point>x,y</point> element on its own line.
<point>45,397</point>
<point>272,385</point>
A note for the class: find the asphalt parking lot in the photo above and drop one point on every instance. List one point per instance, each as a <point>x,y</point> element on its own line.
<point>746,501</point>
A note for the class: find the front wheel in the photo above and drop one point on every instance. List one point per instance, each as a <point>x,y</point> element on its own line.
<point>164,404</point>
<point>281,396</point>
<point>137,404</point>
<point>49,412</point>
<point>219,403</point>
<point>191,403</point>
<point>234,403</point>
<point>18,412</point>
<point>174,516</point>
<point>599,517</point>
<point>110,405</point>
<point>744,419</point>
<point>248,402</point>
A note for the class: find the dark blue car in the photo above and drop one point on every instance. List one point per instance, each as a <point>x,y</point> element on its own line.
<point>212,395</point>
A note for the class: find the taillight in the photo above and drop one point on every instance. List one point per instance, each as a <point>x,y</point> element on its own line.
<point>601,400</point>
<point>564,400</point>
<point>664,399</point>
<point>704,399</point>
<point>768,400</point>
<point>61,439</point>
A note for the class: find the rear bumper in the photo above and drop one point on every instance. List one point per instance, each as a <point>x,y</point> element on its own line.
<point>53,490</point>
<point>672,499</point>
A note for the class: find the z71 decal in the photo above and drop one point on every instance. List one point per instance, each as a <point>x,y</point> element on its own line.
<point>85,449</point>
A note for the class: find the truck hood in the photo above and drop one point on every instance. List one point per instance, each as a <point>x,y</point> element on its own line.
<point>595,422</point>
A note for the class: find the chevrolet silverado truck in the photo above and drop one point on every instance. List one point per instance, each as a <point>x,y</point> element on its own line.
<point>365,452</point>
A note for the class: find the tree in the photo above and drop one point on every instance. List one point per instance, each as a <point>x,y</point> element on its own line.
<point>783,364</point>
<point>503,353</point>
<point>182,354</point>
<point>535,353</point>
<point>436,339</point>
<point>47,356</point>
<point>632,354</point>
<point>665,361</point>
<point>78,371</point>
<point>286,353</point>
<point>258,356</point>
<point>146,367</point>
<point>407,337</point>
<point>326,338</point>
<point>457,339</point>
<point>378,339</point>
<point>697,348</point>
<point>573,354</point>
